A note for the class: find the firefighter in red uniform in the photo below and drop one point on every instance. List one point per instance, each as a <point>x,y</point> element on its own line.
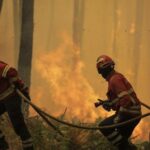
<point>11,103</point>
<point>123,100</point>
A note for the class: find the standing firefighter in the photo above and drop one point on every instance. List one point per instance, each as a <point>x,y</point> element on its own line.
<point>123,100</point>
<point>11,103</point>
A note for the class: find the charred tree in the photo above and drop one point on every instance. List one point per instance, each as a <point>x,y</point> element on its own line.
<point>17,8</point>
<point>1,3</point>
<point>26,43</point>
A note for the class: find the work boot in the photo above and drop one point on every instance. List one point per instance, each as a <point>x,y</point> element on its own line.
<point>27,144</point>
<point>127,146</point>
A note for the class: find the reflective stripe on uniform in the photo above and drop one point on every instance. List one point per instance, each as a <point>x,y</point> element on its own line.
<point>113,134</point>
<point>24,87</point>
<point>117,140</point>
<point>7,92</point>
<point>122,109</point>
<point>132,99</point>
<point>13,79</point>
<point>122,94</point>
<point>27,143</point>
<point>4,73</point>
<point>114,101</point>
<point>135,107</point>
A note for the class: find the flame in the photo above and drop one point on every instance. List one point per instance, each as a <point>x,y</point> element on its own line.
<point>63,83</point>
<point>142,131</point>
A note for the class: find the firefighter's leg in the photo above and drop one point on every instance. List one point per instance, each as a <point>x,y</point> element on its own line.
<point>126,132</point>
<point>3,143</point>
<point>13,107</point>
<point>113,135</point>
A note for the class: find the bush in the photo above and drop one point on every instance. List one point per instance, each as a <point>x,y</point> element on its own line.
<point>46,138</point>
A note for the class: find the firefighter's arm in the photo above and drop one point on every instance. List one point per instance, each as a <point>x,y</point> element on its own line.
<point>107,105</point>
<point>104,103</point>
<point>120,89</point>
<point>123,98</point>
<point>12,75</point>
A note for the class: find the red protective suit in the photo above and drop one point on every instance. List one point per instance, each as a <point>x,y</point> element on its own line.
<point>124,101</point>
<point>8,77</point>
<point>121,98</point>
<point>122,95</point>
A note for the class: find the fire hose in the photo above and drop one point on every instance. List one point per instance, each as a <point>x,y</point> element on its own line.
<point>46,120</point>
<point>44,115</point>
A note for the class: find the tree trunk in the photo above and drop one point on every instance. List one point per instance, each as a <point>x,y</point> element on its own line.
<point>115,28</point>
<point>1,3</point>
<point>50,38</point>
<point>17,11</point>
<point>137,40</point>
<point>25,54</point>
<point>77,30</point>
<point>78,22</point>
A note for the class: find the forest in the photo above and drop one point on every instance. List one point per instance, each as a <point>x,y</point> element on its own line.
<point>54,45</point>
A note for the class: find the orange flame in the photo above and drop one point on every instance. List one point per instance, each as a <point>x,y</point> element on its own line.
<point>142,131</point>
<point>64,84</point>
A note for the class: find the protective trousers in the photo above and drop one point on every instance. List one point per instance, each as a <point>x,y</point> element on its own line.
<point>119,136</point>
<point>13,106</point>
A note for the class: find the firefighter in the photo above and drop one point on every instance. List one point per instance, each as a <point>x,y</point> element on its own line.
<point>11,103</point>
<point>123,100</point>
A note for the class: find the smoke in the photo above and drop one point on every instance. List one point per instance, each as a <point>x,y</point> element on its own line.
<point>60,83</point>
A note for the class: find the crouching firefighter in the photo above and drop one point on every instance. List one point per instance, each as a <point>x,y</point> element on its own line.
<point>11,103</point>
<point>123,100</point>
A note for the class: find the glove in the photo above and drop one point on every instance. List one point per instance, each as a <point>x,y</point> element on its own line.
<point>99,103</point>
<point>26,93</point>
<point>117,119</point>
<point>107,105</point>
<point>16,84</point>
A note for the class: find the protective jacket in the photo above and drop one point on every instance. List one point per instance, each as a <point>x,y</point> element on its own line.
<point>122,95</point>
<point>8,80</point>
